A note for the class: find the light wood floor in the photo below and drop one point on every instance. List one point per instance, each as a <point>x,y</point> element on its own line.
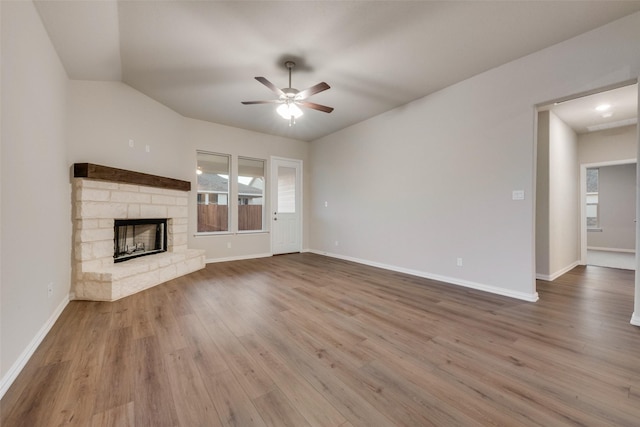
<point>305,340</point>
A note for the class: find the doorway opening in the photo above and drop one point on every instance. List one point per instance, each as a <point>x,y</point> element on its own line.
<point>608,195</point>
<point>589,130</point>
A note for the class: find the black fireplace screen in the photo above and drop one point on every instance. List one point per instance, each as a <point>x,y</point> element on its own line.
<point>138,237</point>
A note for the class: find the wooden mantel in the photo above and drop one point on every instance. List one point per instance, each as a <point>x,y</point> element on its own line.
<point>105,173</point>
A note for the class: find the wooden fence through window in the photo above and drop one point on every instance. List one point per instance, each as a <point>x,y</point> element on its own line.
<point>215,218</point>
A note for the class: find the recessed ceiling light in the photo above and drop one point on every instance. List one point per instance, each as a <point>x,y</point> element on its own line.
<point>607,115</point>
<point>603,107</point>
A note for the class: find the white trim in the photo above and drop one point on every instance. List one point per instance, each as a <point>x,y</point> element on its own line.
<point>213,233</point>
<point>237,258</point>
<point>451,280</point>
<point>635,319</point>
<point>22,360</point>
<point>554,276</point>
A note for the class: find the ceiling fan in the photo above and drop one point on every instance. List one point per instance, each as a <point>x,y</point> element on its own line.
<point>292,99</point>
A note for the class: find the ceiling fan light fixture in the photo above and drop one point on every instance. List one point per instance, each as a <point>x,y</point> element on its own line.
<point>291,99</point>
<point>288,110</point>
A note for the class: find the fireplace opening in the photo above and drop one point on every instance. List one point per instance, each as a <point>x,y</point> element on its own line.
<point>138,237</point>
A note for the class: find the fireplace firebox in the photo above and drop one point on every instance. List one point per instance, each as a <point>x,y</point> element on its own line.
<point>134,238</point>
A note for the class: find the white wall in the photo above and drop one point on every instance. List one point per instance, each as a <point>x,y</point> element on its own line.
<point>608,145</point>
<point>36,201</point>
<point>617,211</point>
<point>564,197</point>
<point>450,161</point>
<point>543,251</point>
<point>104,116</point>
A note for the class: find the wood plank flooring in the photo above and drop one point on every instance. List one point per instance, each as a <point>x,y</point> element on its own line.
<point>305,340</point>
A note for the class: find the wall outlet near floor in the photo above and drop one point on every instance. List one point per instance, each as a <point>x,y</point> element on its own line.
<point>50,289</point>
<point>336,243</point>
<point>459,262</point>
<point>228,245</point>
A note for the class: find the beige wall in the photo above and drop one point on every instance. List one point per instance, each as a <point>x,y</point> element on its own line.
<point>617,200</point>
<point>417,187</point>
<point>564,197</point>
<point>543,260</point>
<point>36,200</point>
<point>608,145</point>
<point>557,198</point>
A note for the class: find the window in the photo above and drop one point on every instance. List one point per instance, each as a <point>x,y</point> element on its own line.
<point>593,209</point>
<point>213,192</point>
<point>286,190</point>
<point>250,194</point>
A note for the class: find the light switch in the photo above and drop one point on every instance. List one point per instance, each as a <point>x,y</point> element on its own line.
<point>517,195</point>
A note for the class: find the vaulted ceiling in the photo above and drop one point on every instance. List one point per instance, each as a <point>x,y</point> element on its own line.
<point>200,57</point>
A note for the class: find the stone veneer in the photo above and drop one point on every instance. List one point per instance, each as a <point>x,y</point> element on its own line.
<point>96,205</point>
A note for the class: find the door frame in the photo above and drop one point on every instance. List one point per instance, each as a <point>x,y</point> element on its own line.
<point>635,316</point>
<point>273,190</point>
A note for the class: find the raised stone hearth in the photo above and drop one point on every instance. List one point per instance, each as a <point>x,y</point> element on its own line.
<point>97,203</point>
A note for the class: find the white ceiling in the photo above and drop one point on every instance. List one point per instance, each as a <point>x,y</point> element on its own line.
<point>200,58</point>
<point>582,116</point>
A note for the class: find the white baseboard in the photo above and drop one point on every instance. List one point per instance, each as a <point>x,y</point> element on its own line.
<point>635,319</point>
<point>237,258</point>
<point>554,276</point>
<point>533,297</point>
<point>19,364</point>
<point>626,251</point>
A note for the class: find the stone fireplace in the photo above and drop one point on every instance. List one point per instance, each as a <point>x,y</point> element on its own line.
<point>102,196</point>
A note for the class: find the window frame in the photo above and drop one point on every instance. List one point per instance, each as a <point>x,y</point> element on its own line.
<point>228,194</point>
<point>264,195</point>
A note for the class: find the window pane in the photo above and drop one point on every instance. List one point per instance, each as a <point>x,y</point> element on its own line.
<point>286,190</point>
<point>213,192</point>
<point>592,198</point>
<point>592,180</point>
<point>250,194</point>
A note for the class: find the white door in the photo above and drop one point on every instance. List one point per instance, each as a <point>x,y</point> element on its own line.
<point>286,205</point>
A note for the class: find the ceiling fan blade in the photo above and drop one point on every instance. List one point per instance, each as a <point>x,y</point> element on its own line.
<point>303,94</point>
<point>272,101</point>
<point>270,85</point>
<point>315,106</point>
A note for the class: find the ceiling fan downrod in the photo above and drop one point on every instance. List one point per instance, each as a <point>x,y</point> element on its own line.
<point>290,65</point>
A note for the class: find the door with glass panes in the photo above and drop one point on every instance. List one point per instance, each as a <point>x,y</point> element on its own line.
<point>286,205</point>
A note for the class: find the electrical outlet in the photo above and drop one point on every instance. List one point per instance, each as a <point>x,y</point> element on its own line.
<point>459,262</point>
<point>336,243</point>
<point>131,144</point>
<point>228,245</point>
<point>147,148</point>
<point>50,289</point>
